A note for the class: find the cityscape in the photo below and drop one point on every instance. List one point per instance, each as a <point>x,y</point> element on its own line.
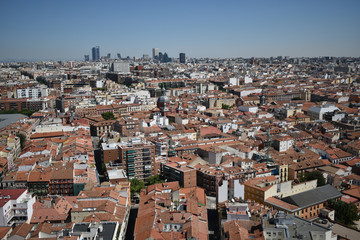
<point>191,120</point>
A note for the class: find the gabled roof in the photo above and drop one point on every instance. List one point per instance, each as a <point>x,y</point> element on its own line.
<point>22,230</point>
<point>314,196</point>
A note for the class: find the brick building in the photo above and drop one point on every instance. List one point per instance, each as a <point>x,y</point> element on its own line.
<point>127,126</point>
<point>61,179</point>
<point>99,125</point>
<point>306,204</point>
<point>137,158</point>
<point>179,171</point>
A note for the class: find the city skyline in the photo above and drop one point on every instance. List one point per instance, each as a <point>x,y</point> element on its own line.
<point>67,30</point>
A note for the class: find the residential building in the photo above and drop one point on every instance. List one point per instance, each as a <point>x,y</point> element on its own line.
<point>137,157</point>
<point>110,152</point>
<point>16,206</point>
<point>285,226</point>
<point>171,212</point>
<point>38,180</point>
<point>181,172</point>
<point>282,142</point>
<point>37,92</point>
<point>127,126</point>
<point>120,67</point>
<point>109,203</point>
<point>62,179</point>
<point>95,230</point>
<point>259,189</point>
<point>99,125</point>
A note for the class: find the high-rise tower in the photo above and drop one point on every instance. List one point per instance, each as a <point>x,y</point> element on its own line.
<point>96,53</point>
<point>155,52</point>
<point>182,57</point>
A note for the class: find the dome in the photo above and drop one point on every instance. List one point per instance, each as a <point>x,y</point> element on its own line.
<point>164,99</point>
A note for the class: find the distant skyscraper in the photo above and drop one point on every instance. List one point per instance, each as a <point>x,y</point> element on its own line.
<point>155,52</point>
<point>109,55</point>
<point>119,55</point>
<point>182,57</point>
<point>87,58</point>
<point>145,56</point>
<point>96,53</point>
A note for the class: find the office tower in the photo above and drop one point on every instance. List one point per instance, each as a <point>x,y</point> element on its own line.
<point>87,58</point>
<point>108,55</point>
<point>155,52</point>
<point>182,57</point>
<point>160,57</point>
<point>119,56</point>
<point>145,56</point>
<point>96,53</point>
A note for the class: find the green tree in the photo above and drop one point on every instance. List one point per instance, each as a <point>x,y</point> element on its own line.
<point>31,76</point>
<point>345,213</point>
<point>136,185</point>
<point>108,116</point>
<point>221,88</point>
<point>154,180</point>
<point>41,80</point>
<point>308,176</point>
<point>22,140</point>
<point>226,107</point>
<point>103,167</point>
<point>27,112</point>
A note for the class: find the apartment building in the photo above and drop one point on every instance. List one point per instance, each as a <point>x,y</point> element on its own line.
<point>16,206</point>
<point>127,126</point>
<point>179,171</point>
<point>137,157</point>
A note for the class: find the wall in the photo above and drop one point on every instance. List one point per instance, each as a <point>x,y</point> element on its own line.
<point>239,190</point>
<point>222,194</point>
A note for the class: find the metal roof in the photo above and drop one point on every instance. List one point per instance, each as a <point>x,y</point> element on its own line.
<point>7,119</point>
<point>314,196</point>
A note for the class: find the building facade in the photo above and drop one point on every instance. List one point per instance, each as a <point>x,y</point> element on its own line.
<point>16,206</point>
<point>182,57</point>
<point>137,158</point>
<point>96,53</point>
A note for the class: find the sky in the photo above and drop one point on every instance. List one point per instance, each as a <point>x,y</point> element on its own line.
<point>68,29</point>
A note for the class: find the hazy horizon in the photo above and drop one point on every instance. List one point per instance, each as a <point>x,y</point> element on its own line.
<point>67,30</point>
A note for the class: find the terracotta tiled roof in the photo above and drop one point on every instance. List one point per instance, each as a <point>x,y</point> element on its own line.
<point>4,231</point>
<point>22,230</point>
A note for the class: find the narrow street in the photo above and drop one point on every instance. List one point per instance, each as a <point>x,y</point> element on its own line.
<point>213,219</point>
<point>131,224</point>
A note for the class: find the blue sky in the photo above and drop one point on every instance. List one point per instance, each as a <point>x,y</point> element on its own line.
<point>64,29</point>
